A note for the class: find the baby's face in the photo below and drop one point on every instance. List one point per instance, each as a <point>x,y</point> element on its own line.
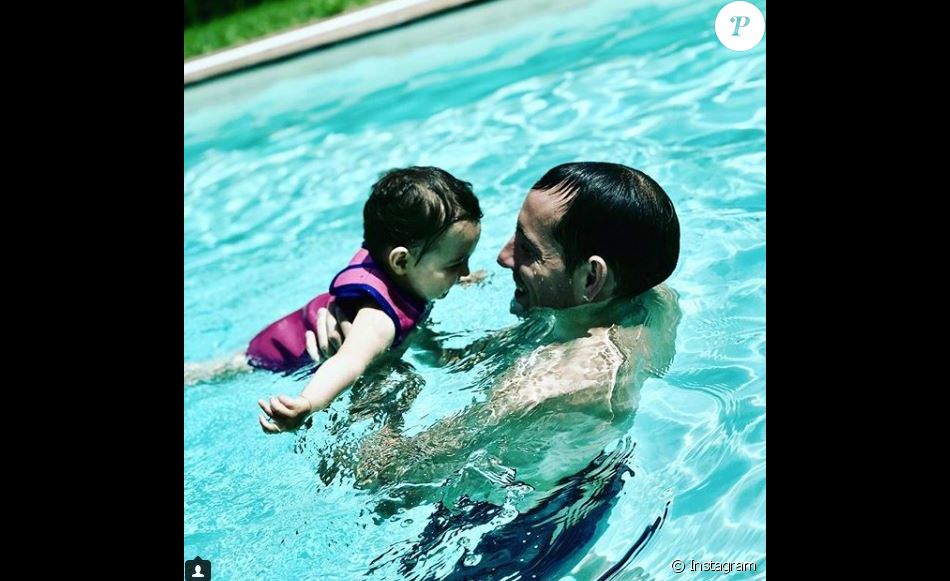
<point>445,261</point>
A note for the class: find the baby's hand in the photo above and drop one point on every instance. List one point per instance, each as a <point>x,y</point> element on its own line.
<point>286,413</point>
<point>473,278</point>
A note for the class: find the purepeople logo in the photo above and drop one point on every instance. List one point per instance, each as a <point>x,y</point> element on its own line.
<point>740,26</point>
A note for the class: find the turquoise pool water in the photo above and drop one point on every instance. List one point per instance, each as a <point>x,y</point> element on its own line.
<point>278,163</point>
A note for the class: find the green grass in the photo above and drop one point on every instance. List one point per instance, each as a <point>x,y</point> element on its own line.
<point>266,19</point>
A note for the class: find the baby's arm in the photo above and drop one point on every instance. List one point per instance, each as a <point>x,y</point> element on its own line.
<point>372,334</point>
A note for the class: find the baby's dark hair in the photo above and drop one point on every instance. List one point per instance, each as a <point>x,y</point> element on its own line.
<point>412,207</point>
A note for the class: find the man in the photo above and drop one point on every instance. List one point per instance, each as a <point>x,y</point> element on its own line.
<point>592,246</point>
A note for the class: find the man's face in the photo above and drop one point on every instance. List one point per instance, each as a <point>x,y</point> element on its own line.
<point>536,260</point>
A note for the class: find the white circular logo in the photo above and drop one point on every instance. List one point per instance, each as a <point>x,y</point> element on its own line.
<point>740,26</point>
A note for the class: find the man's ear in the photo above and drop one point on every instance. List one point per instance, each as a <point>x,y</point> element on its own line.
<point>598,280</point>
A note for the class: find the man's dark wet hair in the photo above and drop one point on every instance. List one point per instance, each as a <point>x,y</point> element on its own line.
<point>620,214</point>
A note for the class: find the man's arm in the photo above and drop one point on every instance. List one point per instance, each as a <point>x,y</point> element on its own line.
<point>333,326</point>
<point>598,376</point>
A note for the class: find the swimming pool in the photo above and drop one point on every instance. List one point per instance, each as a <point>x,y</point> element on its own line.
<point>278,162</point>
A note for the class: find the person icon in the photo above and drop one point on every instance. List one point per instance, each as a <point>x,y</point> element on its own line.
<point>198,568</point>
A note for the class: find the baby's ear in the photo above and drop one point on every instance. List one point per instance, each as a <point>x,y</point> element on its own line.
<point>399,259</point>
